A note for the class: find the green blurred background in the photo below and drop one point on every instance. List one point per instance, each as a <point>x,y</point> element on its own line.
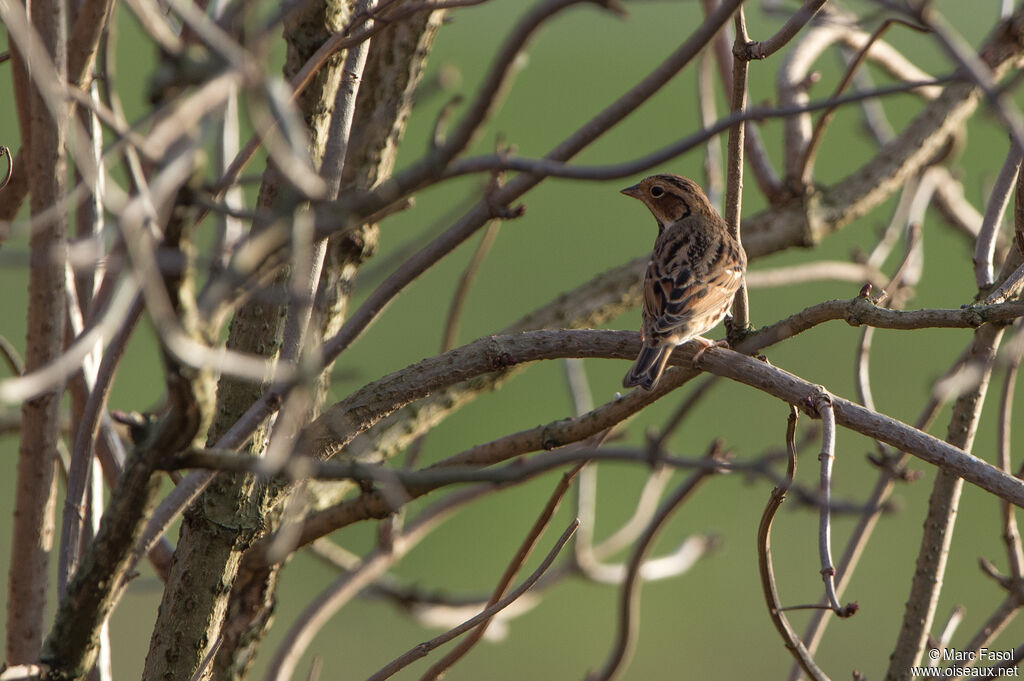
<point>711,622</point>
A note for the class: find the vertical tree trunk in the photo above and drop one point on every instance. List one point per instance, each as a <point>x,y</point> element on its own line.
<point>225,519</point>
<point>40,424</point>
<point>393,70</point>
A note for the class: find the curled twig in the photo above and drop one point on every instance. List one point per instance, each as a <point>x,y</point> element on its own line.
<point>764,555</point>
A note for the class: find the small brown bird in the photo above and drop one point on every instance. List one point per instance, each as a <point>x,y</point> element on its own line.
<point>695,270</point>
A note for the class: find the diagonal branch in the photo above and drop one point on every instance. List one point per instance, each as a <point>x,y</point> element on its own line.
<point>942,512</point>
<point>621,344</point>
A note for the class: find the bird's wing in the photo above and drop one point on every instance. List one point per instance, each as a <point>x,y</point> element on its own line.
<point>690,286</point>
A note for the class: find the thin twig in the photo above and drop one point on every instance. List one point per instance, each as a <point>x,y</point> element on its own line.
<point>734,168</point>
<point>821,270</point>
<point>765,48</point>
<point>419,482</point>
<point>875,120</point>
<point>764,555</point>
<point>681,412</point>
<point>347,586</point>
<point>807,165</point>
<point>1010,288</point>
<point>862,372</point>
<point>1013,282</point>
<point>985,246</point>
<point>85,441</point>
<point>629,593</point>
<point>993,625</point>
<point>341,40</point>
<point>892,468</point>
<point>207,660</point>
<point>525,549</point>
<point>713,175</point>
<point>451,325</point>
<point>974,65</point>
<point>548,167</point>
<point>757,156</point>
<point>51,374</point>
<point>487,614</point>
<point>822,402</point>
<point>1011,535</point>
<point>956,616</point>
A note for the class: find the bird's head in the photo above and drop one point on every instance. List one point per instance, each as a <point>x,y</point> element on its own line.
<point>670,198</point>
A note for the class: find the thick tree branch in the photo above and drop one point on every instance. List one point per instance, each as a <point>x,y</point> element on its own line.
<point>367,405</point>
<point>341,422</point>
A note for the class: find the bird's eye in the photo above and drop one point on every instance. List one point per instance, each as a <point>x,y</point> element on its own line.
<point>657,191</point>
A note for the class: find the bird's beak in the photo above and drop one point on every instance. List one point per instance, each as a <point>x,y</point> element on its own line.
<point>633,191</point>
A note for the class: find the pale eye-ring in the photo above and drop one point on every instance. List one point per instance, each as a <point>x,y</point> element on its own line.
<point>657,191</point>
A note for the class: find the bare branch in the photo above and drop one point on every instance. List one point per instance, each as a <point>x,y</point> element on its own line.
<point>981,72</point>
<point>993,625</point>
<point>822,270</point>
<point>35,491</point>
<point>629,604</point>
<point>952,623</point>
<point>525,549</point>
<point>734,167</point>
<point>764,555</point>
<point>1011,536</point>
<point>55,372</point>
<point>757,155</point>
<point>796,65</point>
<point>550,168</point>
<point>298,638</point>
<point>822,403</point>
<point>791,389</point>
<point>765,48</point>
<point>451,325</point>
<point>985,246</point>
<point>285,470</point>
<point>102,575</point>
<point>807,166</point>
<point>85,441</point>
<point>942,508</point>
<point>487,614</point>
<point>341,422</point>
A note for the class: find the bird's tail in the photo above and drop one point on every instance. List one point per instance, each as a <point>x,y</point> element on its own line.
<point>647,368</point>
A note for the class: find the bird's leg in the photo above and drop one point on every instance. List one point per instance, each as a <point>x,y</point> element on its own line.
<point>705,344</point>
